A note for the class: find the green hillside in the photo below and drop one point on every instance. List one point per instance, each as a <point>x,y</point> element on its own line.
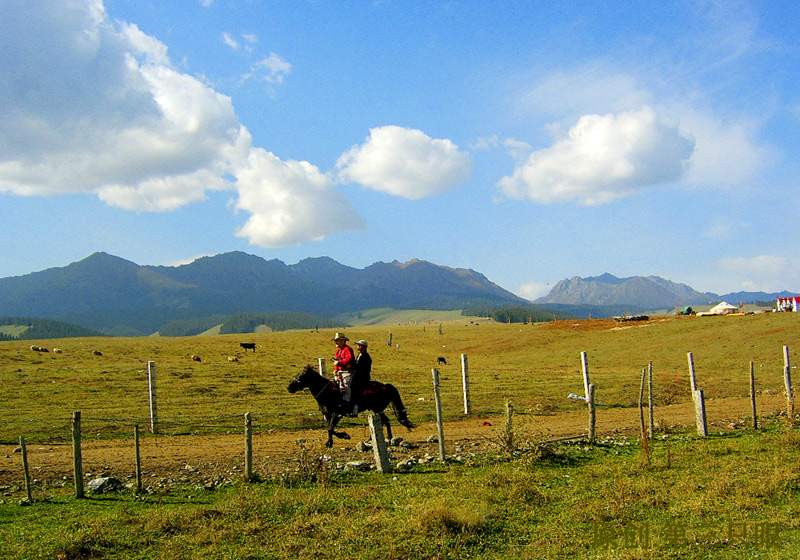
<point>388,316</point>
<point>26,328</point>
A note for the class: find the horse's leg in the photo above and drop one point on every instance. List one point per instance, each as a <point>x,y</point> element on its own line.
<point>385,421</point>
<point>332,428</point>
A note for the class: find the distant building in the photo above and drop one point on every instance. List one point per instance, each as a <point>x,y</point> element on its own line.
<point>722,308</point>
<point>791,303</point>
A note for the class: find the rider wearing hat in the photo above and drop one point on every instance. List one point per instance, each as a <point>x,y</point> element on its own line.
<point>342,364</point>
<point>362,370</point>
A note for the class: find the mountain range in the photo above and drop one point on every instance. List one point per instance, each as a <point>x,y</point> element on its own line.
<point>645,292</point>
<point>117,296</point>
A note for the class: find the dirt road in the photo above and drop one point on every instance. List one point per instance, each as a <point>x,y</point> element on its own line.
<point>169,460</point>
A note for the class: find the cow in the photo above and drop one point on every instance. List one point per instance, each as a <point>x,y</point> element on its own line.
<point>196,358</point>
<point>441,361</point>
<point>233,358</point>
<point>57,350</point>
<point>39,348</point>
<point>97,352</point>
<point>248,346</point>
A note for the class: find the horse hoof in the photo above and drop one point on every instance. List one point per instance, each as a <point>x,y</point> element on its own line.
<point>328,444</point>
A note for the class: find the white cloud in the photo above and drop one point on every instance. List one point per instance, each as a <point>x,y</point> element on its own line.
<point>761,272</point>
<point>230,41</point>
<point>132,128</point>
<point>91,105</point>
<point>188,260</point>
<point>726,152</point>
<point>517,149</point>
<point>722,228</point>
<point>404,162</point>
<point>591,88</point>
<point>206,3</point>
<point>603,158</point>
<point>251,38</point>
<point>290,202</point>
<point>533,290</point>
<point>272,69</point>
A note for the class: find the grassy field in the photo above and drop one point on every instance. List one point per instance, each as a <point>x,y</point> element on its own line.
<point>729,497</point>
<point>388,316</point>
<point>13,330</point>
<point>534,365</point>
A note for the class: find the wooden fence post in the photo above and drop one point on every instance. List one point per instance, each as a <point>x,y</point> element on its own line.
<point>465,382</point>
<point>753,395</point>
<point>248,447</point>
<point>77,461</point>
<point>509,430</point>
<point>439,424</point>
<point>321,365</point>
<point>650,401</point>
<point>700,413</point>
<point>692,379</point>
<point>379,444</point>
<point>389,340</point>
<point>592,417</point>
<point>151,391</point>
<point>138,457</point>
<point>642,432</point>
<point>585,371</point>
<point>787,381</point>
<point>25,470</point>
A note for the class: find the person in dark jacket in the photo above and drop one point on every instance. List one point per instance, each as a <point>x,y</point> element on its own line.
<point>362,371</point>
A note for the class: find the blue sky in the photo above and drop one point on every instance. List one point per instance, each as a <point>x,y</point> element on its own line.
<point>531,141</point>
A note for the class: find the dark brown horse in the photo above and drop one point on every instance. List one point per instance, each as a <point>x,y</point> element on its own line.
<point>375,396</point>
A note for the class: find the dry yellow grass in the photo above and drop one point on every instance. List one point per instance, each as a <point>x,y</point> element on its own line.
<point>533,365</point>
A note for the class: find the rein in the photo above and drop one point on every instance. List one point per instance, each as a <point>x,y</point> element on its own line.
<point>324,386</point>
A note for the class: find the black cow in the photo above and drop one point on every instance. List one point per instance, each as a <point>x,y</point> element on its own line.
<point>441,361</point>
<point>248,346</point>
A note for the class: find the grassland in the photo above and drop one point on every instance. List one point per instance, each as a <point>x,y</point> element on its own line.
<point>387,316</point>
<point>733,496</point>
<point>564,503</point>
<point>14,330</point>
<point>533,365</point>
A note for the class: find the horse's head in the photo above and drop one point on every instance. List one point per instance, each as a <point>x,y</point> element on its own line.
<point>303,379</point>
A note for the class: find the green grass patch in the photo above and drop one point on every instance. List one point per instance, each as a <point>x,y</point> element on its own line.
<point>14,331</point>
<point>723,497</point>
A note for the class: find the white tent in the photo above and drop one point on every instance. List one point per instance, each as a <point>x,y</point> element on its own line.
<point>722,308</point>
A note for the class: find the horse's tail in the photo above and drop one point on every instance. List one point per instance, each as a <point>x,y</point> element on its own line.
<point>398,407</point>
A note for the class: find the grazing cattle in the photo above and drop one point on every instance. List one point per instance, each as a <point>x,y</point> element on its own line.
<point>39,348</point>
<point>233,358</point>
<point>248,346</point>
<point>57,350</point>
<point>97,352</point>
<point>196,358</point>
<point>441,361</point>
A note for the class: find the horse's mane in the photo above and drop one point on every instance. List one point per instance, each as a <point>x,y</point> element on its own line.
<point>311,370</point>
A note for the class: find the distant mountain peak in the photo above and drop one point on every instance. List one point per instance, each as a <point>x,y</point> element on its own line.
<point>141,299</point>
<point>646,292</point>
<point>606,278</point>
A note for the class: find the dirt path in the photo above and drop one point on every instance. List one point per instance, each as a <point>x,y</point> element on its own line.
<point>213,459</point>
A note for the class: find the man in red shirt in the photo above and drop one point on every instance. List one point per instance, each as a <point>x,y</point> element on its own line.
<point>342,364</point>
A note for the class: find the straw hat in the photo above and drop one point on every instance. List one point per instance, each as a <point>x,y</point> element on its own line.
<point>339,336</point>
<point>361,342</point>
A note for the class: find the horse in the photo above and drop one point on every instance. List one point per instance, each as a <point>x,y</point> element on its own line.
<point>375,396</point>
